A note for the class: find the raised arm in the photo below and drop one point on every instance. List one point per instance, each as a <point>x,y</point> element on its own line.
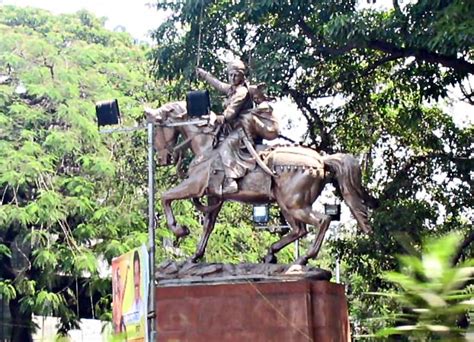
<point>218,85</point>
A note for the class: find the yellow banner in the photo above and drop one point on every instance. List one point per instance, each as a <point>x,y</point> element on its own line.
<point>130,295</point>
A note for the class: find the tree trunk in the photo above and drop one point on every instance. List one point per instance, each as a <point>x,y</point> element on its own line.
<point>22,323</point>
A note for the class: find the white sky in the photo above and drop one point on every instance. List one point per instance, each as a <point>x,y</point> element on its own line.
<point>136,16</point>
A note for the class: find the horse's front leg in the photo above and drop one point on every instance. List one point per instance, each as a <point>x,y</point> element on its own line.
<point>189,188</point>
<point>177,230</point>
<point>208,227</point>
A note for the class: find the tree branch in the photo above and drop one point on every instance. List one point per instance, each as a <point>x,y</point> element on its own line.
<point>351,74</point>
<point>400,179</point>
<point>468,94</point>
<point>467,241</point>
<point>381,62</point>
<point>396,6</point>
<point>313,118</point>
<point>448,61</point>
<point>317,41</point>
<point>457,64</point>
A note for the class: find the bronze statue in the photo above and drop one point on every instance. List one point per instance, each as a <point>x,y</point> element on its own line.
<point>260,122</point>
<point>298,175</point>
<point>237,124</point>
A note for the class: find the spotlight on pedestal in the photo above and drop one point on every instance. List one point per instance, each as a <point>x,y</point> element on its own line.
<point>333,210</point>
<point>261,214</point>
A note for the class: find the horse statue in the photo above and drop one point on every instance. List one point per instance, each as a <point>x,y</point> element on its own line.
<point>299,176</point>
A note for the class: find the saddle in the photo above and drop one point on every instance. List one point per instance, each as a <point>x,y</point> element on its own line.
<point>279,159</point>
<point>291,158</point>
<point>255,179</point>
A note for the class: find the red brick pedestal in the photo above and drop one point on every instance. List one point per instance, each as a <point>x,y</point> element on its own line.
<point>302,310</point>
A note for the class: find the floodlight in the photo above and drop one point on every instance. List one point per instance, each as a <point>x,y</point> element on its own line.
<point>333,211</point>
<point>198,103</point>
<point>107,112</point>
<point>261,215</point>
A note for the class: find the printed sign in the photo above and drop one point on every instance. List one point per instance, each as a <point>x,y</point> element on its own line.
<point>130,295</point>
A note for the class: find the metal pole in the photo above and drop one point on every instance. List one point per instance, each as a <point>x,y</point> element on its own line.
<point>297,249</point>
<point>338,270</point>
<point>137,128</point>
<point>151,233</point>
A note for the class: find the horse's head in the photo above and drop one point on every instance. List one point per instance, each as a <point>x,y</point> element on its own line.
<point>257,93</point>
<point>166,137</point>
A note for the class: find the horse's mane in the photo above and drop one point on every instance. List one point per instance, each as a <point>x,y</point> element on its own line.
<point>170,111</point>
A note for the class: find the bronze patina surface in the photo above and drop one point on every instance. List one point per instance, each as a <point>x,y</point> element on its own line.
<point>227,166</point>
<point>299,176</point>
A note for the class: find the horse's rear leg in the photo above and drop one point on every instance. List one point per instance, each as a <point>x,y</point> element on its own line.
<point>189,188</point>
<point>321,221</point>
<point>298,230</point>
<point>208,227</point>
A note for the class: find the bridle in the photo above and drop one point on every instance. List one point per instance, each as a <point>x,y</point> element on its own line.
<point>173,149</point>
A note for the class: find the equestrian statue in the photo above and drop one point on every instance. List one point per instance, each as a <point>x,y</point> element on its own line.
<point>230,164</point>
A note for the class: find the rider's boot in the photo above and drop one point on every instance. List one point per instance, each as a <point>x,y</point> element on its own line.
<point>230,186</point>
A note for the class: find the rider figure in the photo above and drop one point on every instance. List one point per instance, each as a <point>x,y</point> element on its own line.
<point>238,101</point>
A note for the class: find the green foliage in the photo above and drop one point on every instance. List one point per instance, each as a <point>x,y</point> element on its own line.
<point>73,199</point>
<point>433,292</point>
<point>47,302</point>
<point>7,290</point>
<point>369,81</point>
<point>67,196</point>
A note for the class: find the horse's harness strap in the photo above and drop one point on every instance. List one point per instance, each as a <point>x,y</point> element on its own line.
<point>254,154</point>
<point>247,143</point>
<point>185,142</point>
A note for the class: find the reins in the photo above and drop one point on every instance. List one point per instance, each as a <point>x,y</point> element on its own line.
<point>186,141</point>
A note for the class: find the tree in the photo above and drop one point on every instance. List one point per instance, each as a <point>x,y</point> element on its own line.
<point>369,82</point>
<point>66,202</point>
<point>71,200</point>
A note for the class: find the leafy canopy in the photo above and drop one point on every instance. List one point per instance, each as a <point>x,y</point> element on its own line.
<point>369,81</point>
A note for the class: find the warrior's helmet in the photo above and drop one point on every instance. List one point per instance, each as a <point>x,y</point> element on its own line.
<point>236,65</point>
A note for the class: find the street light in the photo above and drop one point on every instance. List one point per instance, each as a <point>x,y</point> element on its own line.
<point>198,103</point>
<point>108,113</point>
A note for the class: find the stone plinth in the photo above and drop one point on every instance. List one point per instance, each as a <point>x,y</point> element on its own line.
<point>180,273</point>
<point>256,311</point>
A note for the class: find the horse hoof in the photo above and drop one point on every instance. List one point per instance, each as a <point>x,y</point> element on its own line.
<point>194,259</point>
<point>301,261</point>
<point>181,232</point>
<point>270,259</point>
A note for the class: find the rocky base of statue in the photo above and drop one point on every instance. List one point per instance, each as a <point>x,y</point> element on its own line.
<point>175,272</point>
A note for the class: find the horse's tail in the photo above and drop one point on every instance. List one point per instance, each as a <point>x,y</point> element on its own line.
<point>348,175</point>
